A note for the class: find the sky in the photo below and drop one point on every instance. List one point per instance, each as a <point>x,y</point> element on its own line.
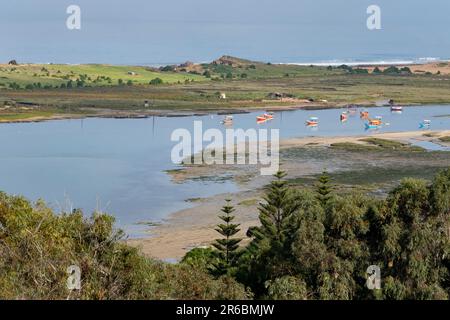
<point>172,31</point>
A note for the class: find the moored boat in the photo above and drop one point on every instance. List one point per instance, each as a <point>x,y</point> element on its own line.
<point>364,114</point>
<point>312,121</point>
<point>265,117</point>
<point>374,123</point>
<point>227,120</point>
<point>425,124</point>
<point>396,108</point>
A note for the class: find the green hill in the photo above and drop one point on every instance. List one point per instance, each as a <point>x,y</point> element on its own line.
<point>59,75</point>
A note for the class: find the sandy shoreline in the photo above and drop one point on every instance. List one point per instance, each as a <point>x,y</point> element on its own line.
<point>194,227</point>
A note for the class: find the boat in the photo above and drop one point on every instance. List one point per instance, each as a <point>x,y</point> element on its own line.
<point>396,108</point>
<point>312,121</point>
<point>352,109</point>
<point>265,117</point>
<point>425,124</point>
<point>374,123</point>
<point>227,120</point>
<point>364,114</point>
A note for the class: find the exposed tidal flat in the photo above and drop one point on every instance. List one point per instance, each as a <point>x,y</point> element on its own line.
<point>370,164</point>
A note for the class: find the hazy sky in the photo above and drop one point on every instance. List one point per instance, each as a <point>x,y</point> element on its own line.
<point>159,32</point>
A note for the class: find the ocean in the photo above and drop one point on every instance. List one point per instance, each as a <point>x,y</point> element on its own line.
<point>138,32</point>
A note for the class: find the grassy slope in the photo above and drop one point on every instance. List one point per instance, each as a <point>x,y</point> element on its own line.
<point>56,75</point>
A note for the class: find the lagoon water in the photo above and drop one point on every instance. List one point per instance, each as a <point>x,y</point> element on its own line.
<point>117,165</point>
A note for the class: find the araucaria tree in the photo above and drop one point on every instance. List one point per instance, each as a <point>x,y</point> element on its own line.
<point>227,248</point>
<point>324,188</point>
<point>268,255</point>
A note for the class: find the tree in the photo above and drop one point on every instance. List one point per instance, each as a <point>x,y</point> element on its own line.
<point>269,254</point>
<point>391,70</point>
<point>414,241</point>
<point>376,71</point>
<point>324,188</point>
<point>156,81</point>
<point>226,247</point>
<point>274,214</point>
<point>200,258</point>
<point>286,288</point>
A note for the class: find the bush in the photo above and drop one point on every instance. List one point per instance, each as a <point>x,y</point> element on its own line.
<point>37,246</point>
<point>156,81</point>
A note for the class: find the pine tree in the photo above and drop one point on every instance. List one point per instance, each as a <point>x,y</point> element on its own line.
<point>275,213</point>
<point>324,189</point>
<point>269,254</point>
<point>227,248</point>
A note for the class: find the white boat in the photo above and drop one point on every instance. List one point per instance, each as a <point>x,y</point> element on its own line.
<point>396,108</point>
<point>227,120</point>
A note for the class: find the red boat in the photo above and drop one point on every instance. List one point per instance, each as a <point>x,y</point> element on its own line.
<point>264,117</point>
<point>312,122</point>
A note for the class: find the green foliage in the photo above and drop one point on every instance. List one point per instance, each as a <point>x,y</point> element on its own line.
<point>37,246</point>
<point>227,248</point>
<point>201,258</point>
<point>391,70</point>
<point>376,70</point>
<point>268,253</point>
<point>156,81</point>
<point>286,288</point>
<point>324,189</point>
<point>414,239</point>
<point>326,249</point>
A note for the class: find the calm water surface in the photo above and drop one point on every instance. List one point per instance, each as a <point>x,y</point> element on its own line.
<point>117,165</point>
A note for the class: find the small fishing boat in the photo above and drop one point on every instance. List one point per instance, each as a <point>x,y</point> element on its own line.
<point>227,120</point>
<point>312,121</point>
<point>364,114</point>
<point>374,123</point>
<point>425,124</point>
<point>396,108</point>
<point>261,121</point>
<point>265,117</point>
<point>352,109</point>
